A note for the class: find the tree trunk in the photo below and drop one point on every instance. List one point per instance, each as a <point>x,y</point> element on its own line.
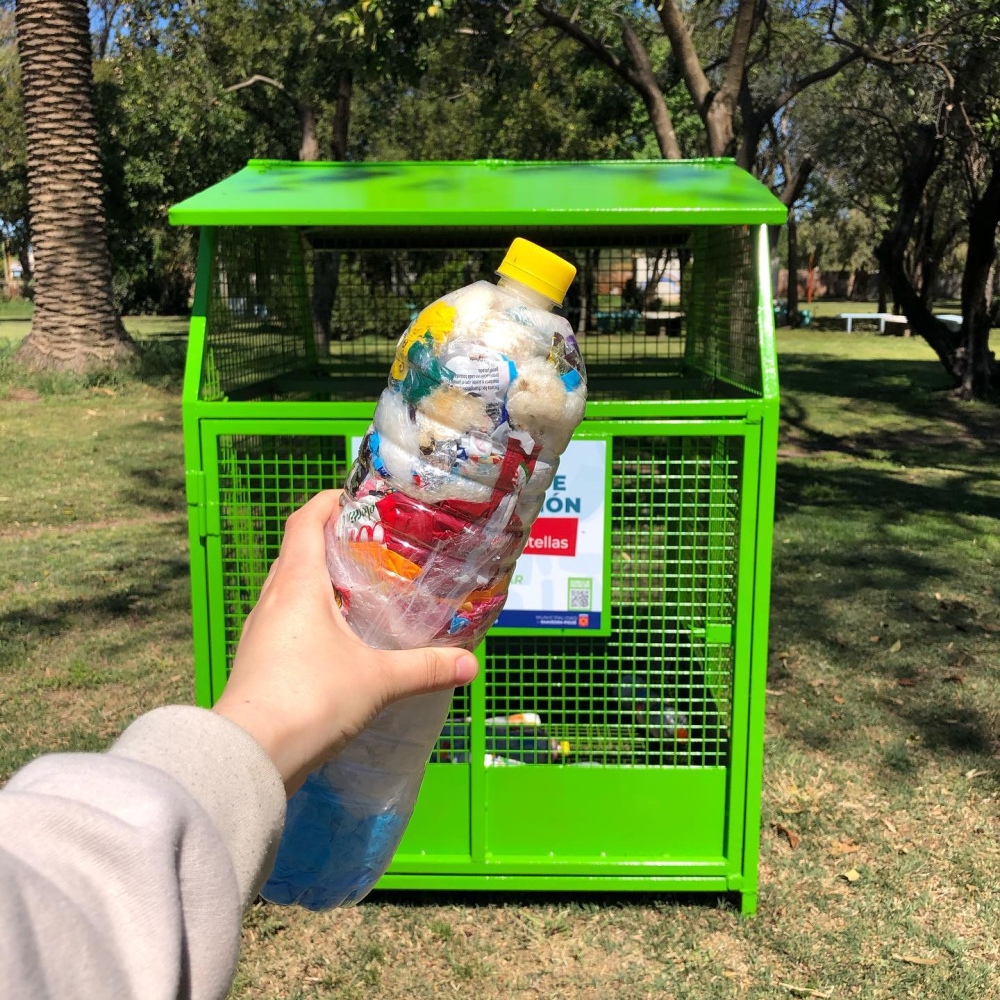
<point>719,128</point>
<point>326,277</point>
<point>891,250</point>
<point>342,117</point>
<point>24,259</point>
<point>964,353</point>
<point>793,271</point>
<point>795,182</point>
<point>753,124</point>
<point>75,324</point>
<point>326,263</point>
<point>637,72</point>
<point>979,374</point>
<point>652,97</point>
<point>309,147</point>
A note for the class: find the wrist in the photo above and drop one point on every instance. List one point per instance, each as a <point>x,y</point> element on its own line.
<point>282,743</point>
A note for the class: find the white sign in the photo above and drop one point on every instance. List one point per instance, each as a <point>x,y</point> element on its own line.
<point>559,581</point>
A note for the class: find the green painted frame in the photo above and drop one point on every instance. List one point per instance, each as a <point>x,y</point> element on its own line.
<point>470,804</point>
<point>524,194</point>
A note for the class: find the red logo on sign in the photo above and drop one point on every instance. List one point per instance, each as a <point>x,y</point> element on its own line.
<point>583,621</point>
<point>553,536</point>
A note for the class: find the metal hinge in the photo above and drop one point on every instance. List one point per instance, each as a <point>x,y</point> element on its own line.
<point>194,480</point>
<point>718,634</point>
<point>203,514</point>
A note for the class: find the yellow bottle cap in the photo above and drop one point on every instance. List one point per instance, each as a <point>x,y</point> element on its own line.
<point>539,269</point>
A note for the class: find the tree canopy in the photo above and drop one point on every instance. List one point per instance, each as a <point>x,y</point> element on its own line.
<point>877,120</point>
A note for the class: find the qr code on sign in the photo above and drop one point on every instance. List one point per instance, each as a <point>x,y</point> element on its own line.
<point>580,591</point>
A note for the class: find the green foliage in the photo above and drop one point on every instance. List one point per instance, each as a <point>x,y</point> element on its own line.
<point>932,71</point>
<point>164,136</point>
<point>464,79</point>
<point>431,81</point>
<point>531,97</point>
<point>305,47</point>
<point>840,242</point>
<point>170,125</point>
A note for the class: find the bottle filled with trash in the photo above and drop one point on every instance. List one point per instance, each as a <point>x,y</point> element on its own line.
<point>484,394</point>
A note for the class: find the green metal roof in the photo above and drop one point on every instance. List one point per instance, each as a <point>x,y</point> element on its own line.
<point>502,193</point>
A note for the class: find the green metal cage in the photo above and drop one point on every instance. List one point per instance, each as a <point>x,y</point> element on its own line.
<point>672,307</point>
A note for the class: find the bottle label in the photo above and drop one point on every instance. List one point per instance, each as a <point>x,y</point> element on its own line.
<point>484,374</point>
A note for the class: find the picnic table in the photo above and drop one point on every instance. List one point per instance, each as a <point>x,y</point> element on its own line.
<point>880,318</point>
<point>618,320</point>
<point>663,323</point>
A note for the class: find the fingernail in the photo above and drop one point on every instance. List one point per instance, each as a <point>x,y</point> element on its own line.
<point>466,668</point>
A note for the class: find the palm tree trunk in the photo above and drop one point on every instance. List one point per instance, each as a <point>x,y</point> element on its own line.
<point>75,325</point>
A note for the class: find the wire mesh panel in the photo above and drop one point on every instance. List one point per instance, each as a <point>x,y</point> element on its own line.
<point>659,314</point>
<point>262,480</point>
<point>626,305</point>
<point>720,293</point>
<point>258,322</point>
<point>658,690</point>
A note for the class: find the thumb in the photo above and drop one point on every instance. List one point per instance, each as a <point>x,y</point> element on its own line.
<point>420,671</point>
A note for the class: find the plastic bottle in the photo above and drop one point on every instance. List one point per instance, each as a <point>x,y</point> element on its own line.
<point>485,391</point>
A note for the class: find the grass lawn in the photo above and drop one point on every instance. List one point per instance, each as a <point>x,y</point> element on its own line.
<point>880,847</point>
<point>16,309</point>
<point>15,321</point>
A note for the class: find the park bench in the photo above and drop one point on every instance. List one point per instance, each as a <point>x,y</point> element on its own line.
<point>878,317</point>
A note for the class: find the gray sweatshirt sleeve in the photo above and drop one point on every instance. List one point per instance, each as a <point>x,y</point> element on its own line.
<point>126,874</point>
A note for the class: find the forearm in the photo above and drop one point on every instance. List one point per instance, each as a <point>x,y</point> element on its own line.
<point>125,874</point>
<point>227,772</point>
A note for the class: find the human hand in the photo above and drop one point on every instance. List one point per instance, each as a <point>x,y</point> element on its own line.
<point>303,684</point>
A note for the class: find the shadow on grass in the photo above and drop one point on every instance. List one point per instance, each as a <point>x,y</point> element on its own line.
<point>157,486</point>
<point>886,497</point>
<point>161,361</point>
<point>884,525</point>
<point>154,594</point>
<point>892,381</point>
<point>964,439</point>
<point>888,550</point>
<point>488,899</point>
<point>952,728</point>
<point>912,387</point>
<point>157,489</point>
